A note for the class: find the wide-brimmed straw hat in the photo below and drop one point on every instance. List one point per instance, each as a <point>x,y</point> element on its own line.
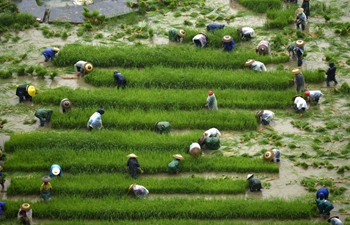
<point>299,11</point>
<point>88,67</point>
<point>268,155</point>
<point>329,219</point>
<point>31,90</point>
<point>299,43</point>
<point>181,33</point>
<point>249,62</point>
<point>0,153</point>
<point>262,48</point>
<point>250,176</point>
<point>66,103</point>
<point>178,156</point>
<point>55,49</point>
<point>0,168</point>
<point>259,113</point>
<point>227,38</point>
<point>55,171</point>
<point>295,71</point>
<point>45,179</point>
<point>130,187</point>
<point>132,155</point>
<point>26,206</point>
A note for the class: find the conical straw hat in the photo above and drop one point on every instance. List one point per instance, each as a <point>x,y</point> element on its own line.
<point>249,62</point>
<point>26,206</point>
<point>132,155</point>
<point>227,38</point>
<point>178,156</point>
<point>268,156</point>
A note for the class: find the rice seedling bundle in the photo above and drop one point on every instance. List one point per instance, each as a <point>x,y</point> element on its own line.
<point>280,18</point>
<point>116,185</point>
<point>169,99</point>
<point>165,55</point>
<point>174,208</point>
<point>192,78</point>
<point>261,6</point>
<point>114,161</point>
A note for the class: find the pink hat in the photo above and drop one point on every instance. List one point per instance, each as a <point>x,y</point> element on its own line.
<point>210,93</point>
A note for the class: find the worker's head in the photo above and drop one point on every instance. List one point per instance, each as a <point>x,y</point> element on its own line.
<point>46,179</point>
<point>101,111</point>
<point>249,62</point>
<point>268,155</point>
<point>295,71</point>
<point>239,30</point>
<point>249,176</point>
<point>295,96</point>
<point>329,219</point>
<point>227,38</point>
<point>331,64</point>
<point>181,33</point>
<point>299,11</point>
<point>55,171</point>
<point>116,71</point>
<point>307,93</point>
<point>179,157</point>
<point>55,49</point>
<point>132,155</point>
<point>210,93</point>
<point>299,43</point>
<point>31,90</point>
<point>130,187</point>
<point>88,67</point>
<point>259,113</point>
<point>26,207</point>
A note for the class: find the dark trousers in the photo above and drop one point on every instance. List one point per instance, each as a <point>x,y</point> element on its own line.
<point>198,43</point>
<point>331,78</point>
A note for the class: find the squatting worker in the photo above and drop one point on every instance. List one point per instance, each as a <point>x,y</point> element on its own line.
<point>65,105</point>
<point>119,79</point>
<point>55,170</point>
<point>25,214</point>
<point>95,121</point>
<point>313,96</point>
<point>162,127</point>
<point>334,220</point>
<point>265,117</point>
<point>174,165</point>
<point>195,149</point>
<point>132,165</point>
<point>44,115</point>
<point>324,207</point>
<point>212,132</point>
<point>25,92</point>
<point>254,183</point>
<point>273,155</point>
<point>176,35</point>
<point>49,53</point>
<point>263,48</point>
<point>212,103</point>
<point>300,104</point>
<point>200,40</point>
<point>255,65</point>
<point>228,43</point>
<point>46,188</point>
<point>83,68</point>
<point>246,33</point>
<point>212,143</point>
<point>139,190</point>
<point>298,79</point>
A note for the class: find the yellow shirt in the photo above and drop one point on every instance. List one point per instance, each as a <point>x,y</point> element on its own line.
<point>45,187</point>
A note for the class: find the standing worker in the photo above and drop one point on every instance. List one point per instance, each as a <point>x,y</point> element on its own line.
<point>25,214</point>
<point>95,121</point>
<point>246,33</point>
<point>65,105</point>
<point>264,117</point>
<point>212,103</point>
<point>195,149</point>
<point>322,193</point>
<point>200,40</point>
<point>50,53</point>
<point>46,188</point>
<point>2,180</point>
<point>176,35</point>
<point>228,43</point>
<point>133,165</point>
<point>119,79</point>
<point>263,48</point>
<point>254,183</point>
<point>25,92</point>
<point>299,51</point>
<point>324,207</point>
<point>334,220</point>
<point>139,190</point>
<point>83,68</point>
<point>300,104</point>
<point>174,165</point>
<point>163,127</point>
<point>44,115</point>
<point>55,170</point>
<point>305,5</point>
<point>255,65</point>
<point>331,74</point>
<point>273,155</point>
<point>313,96</point>
<point>298,79</point>
<point>300,18</point>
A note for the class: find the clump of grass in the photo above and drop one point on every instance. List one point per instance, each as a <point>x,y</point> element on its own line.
<point>29,122</point>
<point>343,169</point>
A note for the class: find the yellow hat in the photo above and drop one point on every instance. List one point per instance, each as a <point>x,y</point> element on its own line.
<point>178,156</point>
<point>268,156</point>
<point>299,11</point>
<point>299,43</point>
<point>295,71</point>
<point>88,67</point>
<point>249,62</point>
<point>181,33</point>
<point>31,90</point>
<point>130,187</point>
<point>26,206</point>
<point>55,49</point>
<point>132,155</point>
<point>227,38</point>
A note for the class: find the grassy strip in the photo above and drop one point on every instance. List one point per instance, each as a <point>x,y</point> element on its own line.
<point>114,161</point>
<point>170,99</point>
<point>175,208</point>
<point>165,55</point>
<point>104,139</point>
<point>192,78</point>
<point>280,18</point>
<point>261,6</point>
<point>95,186</point>
<point>144,120</point>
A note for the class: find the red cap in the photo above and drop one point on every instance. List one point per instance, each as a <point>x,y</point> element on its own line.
<point>307,93</point>
<point>210,92</point>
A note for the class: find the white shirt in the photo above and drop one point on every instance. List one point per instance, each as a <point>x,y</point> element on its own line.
<point>194,145</point>
<point>300,103</point>
<point>315,94</point>
<point>212,132</point>
<point>267,115</point>
<point>248,30</point>
<point>202,38</point>
<point>277,155</point>
<point>95,121</point>
<point>258,66</point>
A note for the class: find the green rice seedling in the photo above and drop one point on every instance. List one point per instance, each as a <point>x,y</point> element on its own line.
<point>30,70</point>
<point>346,149</point>
<point>98,36</point>
<point>29,122</point>
<point>343,169</point>
<point>261,6</point>
<point>332,125</point>
<point>320,129</point>
<point>305,156</point>
<point>293,145</point>
<point>177,14</point>
<point>64,35</point>
<point>5,74</point>
<point>21,71</point>
<point>279,18</point>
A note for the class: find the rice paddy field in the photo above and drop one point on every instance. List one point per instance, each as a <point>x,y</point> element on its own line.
<point>169,82</point>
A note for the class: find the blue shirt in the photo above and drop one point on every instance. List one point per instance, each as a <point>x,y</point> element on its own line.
<point>228,46</point>
<point>2,204</point>
<point>49,53</point>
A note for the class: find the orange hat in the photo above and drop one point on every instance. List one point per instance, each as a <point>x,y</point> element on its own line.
<point>307,93</point>
<point>210,93</point>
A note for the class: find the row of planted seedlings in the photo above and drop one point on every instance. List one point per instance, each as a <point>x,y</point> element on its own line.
<point>193,78</point>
